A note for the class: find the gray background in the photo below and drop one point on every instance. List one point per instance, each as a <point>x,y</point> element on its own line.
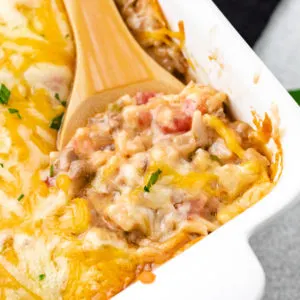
<point>278,245</point>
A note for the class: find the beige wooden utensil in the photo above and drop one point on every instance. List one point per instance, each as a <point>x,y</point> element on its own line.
<point>110,63</point>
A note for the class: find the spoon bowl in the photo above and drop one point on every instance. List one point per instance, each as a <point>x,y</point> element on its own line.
<point>110,63</point>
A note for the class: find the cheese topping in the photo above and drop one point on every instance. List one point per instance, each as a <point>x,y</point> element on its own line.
<point>150,175</point>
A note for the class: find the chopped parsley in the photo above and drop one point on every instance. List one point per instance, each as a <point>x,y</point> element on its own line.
<point>152,180</point>
<point>42,277</point>
<point>15,111</point>
<point>114,107</point>
<point>51,172</point>
<point>62,102</point>
<point>1,165</point>
<point>56,122</point>
<point>215,158</point>
<point>20,197</point>
<point>4,94</point>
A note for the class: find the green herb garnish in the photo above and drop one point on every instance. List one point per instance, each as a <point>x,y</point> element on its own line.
<point>215,158</point>
<point>14,111</point>
<point>153,179</point>
<point>114,107</point>
<point>67,36</point>
<point>56,122</point>
<point>51,173</point>
<point>4,94</point>
<point>1,165</point>
<point>42,277</point>
<point>62,102</point>
<point>20,197</point>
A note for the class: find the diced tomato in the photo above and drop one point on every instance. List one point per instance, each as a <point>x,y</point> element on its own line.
<point>203,108</point>
<point>167,129</point>
<point>50,181</point>
<point>144,97</point>
<point>145,119</point>
<point>181,123</point>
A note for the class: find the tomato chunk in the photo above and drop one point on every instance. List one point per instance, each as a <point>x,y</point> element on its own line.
<point>50,181</point>
<point>145,119</point>
<point>180,123</point>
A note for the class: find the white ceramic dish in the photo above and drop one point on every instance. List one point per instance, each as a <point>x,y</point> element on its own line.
<point>223,266</point>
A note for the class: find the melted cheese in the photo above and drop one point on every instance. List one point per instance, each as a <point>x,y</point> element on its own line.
<point>34,73</point>
<point>49,248</point>
<point>226,133</point>
<point>41,256</point>
<point>53,79</point>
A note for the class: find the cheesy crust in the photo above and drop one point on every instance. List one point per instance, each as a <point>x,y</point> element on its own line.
<point>142,181</point>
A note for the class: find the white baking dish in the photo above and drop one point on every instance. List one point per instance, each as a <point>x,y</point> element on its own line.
<point>223,266</point>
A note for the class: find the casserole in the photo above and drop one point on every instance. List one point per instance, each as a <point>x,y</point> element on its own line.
<point>50,252</point>
<point>223,266</point>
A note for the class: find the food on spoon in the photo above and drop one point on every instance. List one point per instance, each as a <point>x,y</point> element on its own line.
<point>149,26</point>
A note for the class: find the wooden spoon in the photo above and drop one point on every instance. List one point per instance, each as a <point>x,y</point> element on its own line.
<point>110,63</point>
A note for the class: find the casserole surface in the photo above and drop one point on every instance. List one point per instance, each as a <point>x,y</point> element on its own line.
<point>52,245</point>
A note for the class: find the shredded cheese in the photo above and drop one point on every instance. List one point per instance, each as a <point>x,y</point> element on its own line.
<point>226,133</point>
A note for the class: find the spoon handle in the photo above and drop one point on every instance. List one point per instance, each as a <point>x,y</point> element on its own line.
<point>107,55</point>
<point>110,63</point>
